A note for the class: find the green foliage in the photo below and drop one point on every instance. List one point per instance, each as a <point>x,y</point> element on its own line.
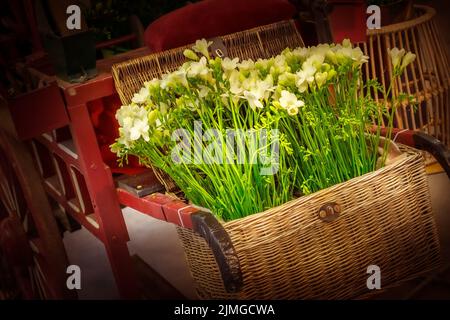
<point>311,101</point>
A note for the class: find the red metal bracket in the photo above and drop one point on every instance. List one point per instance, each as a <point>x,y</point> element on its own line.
<point>160,206</point>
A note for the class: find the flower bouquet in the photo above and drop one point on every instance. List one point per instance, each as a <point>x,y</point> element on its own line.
<point>287,154</point>
<point>240,137</point>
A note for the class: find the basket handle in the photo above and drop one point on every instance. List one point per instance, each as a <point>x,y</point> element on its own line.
<point>422,141</point>
<point>218,239</point>
<point>434,146</point>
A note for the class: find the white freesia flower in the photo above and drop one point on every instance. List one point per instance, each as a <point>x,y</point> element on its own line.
<point>346,43</point>
<point>396,56</point>
<point>204,91</point>
<point>246,64</point>
<point>301,53</point>
<point>165,81</point>
<point>133,121</point>
<point>280,61</point>
<point>265,87</point>
<point>292,110</point>
<point>185,66</point>
<point>358,56</point>
<point>141,96</point>
<point>305,77</point>
<point>124,138</point>
<point>316,60</point>
<point>125,112</point>
<point>229,65</point>
<point>127,123</point>
<point>331,56</point>
<point>174,78</point>
<point>407,59</point>
<point>235,83</point>
<point>201,46</point>
<point>140,129</point>
<point>141,113</point>
<point>301,84</point>
<point>308,71</point>
<point>321,78</point>
<point>287,79</point>
<point>179,77</point>
<point>249,82</point>
<point>262,64</point>
<point>343,55</point>
<point>280,65</point>
<point>289,101</point>
<point>152,84</point>
<point>199,68</point>
<point>347,54</point>
<point>260,90</point>
<point>153,116</point>
<point>188,53</point>
<point>320,50</point>
<point>253,99</point>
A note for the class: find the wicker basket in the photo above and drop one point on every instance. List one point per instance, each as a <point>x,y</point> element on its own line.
<point>289,251</point>
<point>260,42</point>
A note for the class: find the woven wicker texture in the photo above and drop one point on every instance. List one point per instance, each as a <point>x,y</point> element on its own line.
<point>260,42</point>
<point>427,79</point>
<point>287,252</point>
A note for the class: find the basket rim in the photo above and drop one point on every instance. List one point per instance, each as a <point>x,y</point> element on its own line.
<point>228,35</point>
<point>117,68</point>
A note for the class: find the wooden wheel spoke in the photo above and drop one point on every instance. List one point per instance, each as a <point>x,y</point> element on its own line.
<point>36,281</point>
<point>9,200</point>
<point>10,192</point>
<point>28,224</point>
<point>39,269</point>
<point>19,199</point>
<point>3,210</point>
<point>35,245</point>
<point>25,223</point>
<point>15,200</point>
<point>32,281</point>
<point>6,197</point>
<point>41,279</point>
<point>36,285</point>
